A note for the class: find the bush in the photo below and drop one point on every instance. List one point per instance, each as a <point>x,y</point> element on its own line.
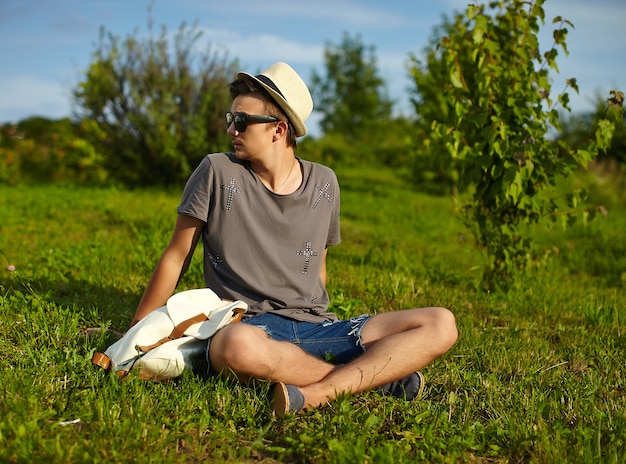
<point>43,150</point>
<point>152,108</point>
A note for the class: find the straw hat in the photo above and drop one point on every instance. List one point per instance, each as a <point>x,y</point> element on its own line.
<point>288,90</point>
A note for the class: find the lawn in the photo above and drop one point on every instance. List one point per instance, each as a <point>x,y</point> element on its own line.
<point>537,374</point>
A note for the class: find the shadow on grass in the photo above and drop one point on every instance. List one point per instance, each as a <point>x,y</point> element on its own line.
<point>99,304</point>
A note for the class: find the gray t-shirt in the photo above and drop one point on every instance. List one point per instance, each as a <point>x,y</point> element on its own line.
<point>260,247</point>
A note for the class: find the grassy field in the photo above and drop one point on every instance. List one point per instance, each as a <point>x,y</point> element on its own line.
<point>537,375</point>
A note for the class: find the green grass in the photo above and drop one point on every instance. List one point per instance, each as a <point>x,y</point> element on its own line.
<point>537,374</point>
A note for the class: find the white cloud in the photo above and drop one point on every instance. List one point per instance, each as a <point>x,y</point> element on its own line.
<point>264,48</point>
<point>256,52</point>
<point>22,96</point>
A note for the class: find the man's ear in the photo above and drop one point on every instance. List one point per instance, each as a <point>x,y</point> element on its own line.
<point>280,130</point>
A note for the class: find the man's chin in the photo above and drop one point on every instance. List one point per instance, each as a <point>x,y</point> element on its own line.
<point>238,151</point>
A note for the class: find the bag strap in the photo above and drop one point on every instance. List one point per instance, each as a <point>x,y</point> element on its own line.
<point>102,360</point>
<point>237,315</point>
<point>178,332</point>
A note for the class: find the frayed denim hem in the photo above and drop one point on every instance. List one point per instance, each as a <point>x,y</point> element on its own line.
<point>357,327</point>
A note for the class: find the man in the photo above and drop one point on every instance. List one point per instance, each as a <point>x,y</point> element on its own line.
<point>266,218</point>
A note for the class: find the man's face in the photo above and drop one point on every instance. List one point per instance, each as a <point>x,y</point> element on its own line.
<point>257,138</point>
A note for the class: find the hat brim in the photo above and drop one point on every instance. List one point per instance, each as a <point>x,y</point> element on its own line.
<point>296,121</point>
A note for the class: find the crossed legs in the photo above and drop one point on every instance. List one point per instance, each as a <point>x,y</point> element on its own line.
<point>397,344</point>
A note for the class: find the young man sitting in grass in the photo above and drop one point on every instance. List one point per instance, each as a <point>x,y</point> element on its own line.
<point>266,219</point>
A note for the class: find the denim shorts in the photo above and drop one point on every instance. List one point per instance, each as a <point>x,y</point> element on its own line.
<point>337,342</point>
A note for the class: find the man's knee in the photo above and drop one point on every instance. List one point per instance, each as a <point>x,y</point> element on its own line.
<point>232,345</point>
<point>444,323</point>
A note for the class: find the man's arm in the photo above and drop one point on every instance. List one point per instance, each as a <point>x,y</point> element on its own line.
<point>172,265</point>
<point>323,267</point>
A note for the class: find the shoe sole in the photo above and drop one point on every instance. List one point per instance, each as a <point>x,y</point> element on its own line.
<point>280,400</point>
<point>420,391</point>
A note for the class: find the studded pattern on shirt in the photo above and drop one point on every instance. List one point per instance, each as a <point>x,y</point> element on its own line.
<point>307,253</point>
<point>215,260</point>
<point>231,192</point>
<point>322,193</point>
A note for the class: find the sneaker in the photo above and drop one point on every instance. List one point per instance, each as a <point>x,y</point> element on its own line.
<point>286,399</point>
<point>408,388</point>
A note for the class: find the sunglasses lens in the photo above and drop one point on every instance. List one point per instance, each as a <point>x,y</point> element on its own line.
<point>240,123</point>
<point>239,119</point>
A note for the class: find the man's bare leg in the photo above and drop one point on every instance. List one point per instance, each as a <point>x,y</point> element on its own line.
<point>397,344</point>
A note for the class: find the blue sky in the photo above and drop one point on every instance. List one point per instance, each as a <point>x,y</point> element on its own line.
<point>45,46</point>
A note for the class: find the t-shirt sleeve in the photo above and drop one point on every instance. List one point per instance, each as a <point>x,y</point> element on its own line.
<point>197,193</point>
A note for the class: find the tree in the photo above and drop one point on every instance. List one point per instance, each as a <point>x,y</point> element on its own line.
<point>432,167</point>
<point>351,95</point>
<point>152,108</point>
<point>485,93</point>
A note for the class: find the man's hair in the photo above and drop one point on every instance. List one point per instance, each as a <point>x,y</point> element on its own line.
<point>242,87</point>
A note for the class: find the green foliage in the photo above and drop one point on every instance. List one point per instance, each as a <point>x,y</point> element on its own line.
<point>42,150</point>
<point>537,374</point>
<point>155,108</point>
<point>579,128</point>
<point>334,149</point>
<point>9,156</point>
<point>351,96</point>
<point>485,109</point>
<point>432,169</point>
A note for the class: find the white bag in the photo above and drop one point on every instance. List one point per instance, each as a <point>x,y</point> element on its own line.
<point>166,341</point>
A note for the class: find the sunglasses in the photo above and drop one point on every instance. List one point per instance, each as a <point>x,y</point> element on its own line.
<point>242,120</point>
